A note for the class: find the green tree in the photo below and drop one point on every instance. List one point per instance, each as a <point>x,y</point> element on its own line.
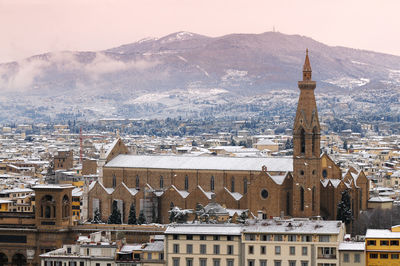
<point>243,217</point>
<point>142,218</point>
<point>115,217</point>
<point>345,145</point>
<point>96,218</point>
<point>132,215</point>
<point>344,212</point>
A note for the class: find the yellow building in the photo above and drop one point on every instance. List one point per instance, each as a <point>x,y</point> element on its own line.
<point>4,205</point>
<point>76,203</point>
<point>382,246</point>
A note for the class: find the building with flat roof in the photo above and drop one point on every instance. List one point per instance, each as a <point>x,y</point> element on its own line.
<point>382,246</point>
<point>265,242</point>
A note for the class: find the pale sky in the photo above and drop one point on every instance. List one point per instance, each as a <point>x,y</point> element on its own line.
<point>29,27</point>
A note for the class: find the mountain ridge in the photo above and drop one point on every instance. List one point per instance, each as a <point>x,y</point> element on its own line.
<point>190,65</point>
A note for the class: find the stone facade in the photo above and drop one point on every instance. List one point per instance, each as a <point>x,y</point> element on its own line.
<point>64,160</point>
<point>311,187</point>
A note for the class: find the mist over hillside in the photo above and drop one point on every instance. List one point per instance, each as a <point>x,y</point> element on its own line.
<point>183,72</point>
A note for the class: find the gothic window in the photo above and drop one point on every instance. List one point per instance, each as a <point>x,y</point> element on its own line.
<point>186,182</point>
<point>287,203</point>
<point>314,142</point>
<point>48,207</point>
<point>245,186</point>
<point>161,182</point>
<point>302,199</point>
<point>137,181</point>
<point>114,181</point>
<point>171,205</point>
<point>360,198</point>
<point>65,206</point>
<point>324,173</point>
<point>302,141</point>
<point>212,183</point>
<point>233,184</point>
<point>313,199</point>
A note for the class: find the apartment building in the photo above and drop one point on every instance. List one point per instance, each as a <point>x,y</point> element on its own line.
<point>203,244</point>
<point>275,242</point>
<point>292,242</point>
<point>352,253</point>
<point>382,246</point>
<point>94,250</point>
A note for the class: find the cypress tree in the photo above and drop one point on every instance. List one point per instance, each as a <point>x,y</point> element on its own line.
<point>344,212</point>
<point>115,217</point>
<point>132,215</point>
<point>96,218</point>
<point>142,218</point>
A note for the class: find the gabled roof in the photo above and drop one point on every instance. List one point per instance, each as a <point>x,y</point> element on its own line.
<point>208,194</point>
<point>273,164</point>
<point>235,195</point>
<point>182,193</point>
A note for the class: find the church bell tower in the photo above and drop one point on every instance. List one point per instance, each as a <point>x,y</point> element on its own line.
<point>306,149</point>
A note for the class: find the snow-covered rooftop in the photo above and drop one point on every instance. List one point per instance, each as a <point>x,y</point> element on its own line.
<point>204,229</point>
<point>352,246</point>
<point>274,164</point>
<point>381,233</point>
<point>295,227</point>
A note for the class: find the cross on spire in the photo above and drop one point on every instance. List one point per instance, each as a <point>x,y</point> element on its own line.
<point>307,68</point>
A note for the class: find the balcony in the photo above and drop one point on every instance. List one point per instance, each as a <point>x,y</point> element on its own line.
<point>327,256</point>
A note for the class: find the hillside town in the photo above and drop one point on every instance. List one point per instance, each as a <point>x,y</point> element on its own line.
<point>301,196</point>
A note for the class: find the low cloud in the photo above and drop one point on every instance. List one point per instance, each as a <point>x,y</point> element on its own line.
<point>28,70</point>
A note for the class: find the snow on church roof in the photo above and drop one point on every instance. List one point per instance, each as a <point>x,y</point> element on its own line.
<point>273,164</point>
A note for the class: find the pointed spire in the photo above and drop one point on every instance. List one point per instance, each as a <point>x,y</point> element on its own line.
<point>307,68</point>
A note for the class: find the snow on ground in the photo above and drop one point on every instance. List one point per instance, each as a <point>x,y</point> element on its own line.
<point>359,63</point>
<point>347,82</point>
<point>180,36</point>
<point>234,74</point>
<point>147,39</point>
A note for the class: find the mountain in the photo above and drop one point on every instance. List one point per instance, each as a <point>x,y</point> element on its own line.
<point>234,65</point>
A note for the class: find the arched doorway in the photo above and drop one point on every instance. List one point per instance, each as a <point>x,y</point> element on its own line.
<point>18,260</point>
<point>3,259</point>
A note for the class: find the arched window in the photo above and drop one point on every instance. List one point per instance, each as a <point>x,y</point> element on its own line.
<point>288,203</point>
<point>212,183</point>
<point>360,191</point>
<point>313,199</point>
<point>18,260</point>
<point>47,213</point>
<point>302,141</point>
<point>114,181</point>
<point>186,182</point>
<point>3,259</point>
<point>48,207</point>
<point>65,207</point>
<point>137,181</point>
<point>233,184</point>
<point>302,199</point>
<point>245,186</point>
<point>324,173</point>
<point>171,205</point>
<point>161,182</point>
<point>314,141</point>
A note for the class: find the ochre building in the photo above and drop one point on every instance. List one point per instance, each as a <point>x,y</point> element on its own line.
<point>304,185</point>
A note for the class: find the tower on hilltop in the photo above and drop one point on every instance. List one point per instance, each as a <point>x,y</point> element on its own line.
<point>306,149</point>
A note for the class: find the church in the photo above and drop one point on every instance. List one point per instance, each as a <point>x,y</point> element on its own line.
<point>308,184</point>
